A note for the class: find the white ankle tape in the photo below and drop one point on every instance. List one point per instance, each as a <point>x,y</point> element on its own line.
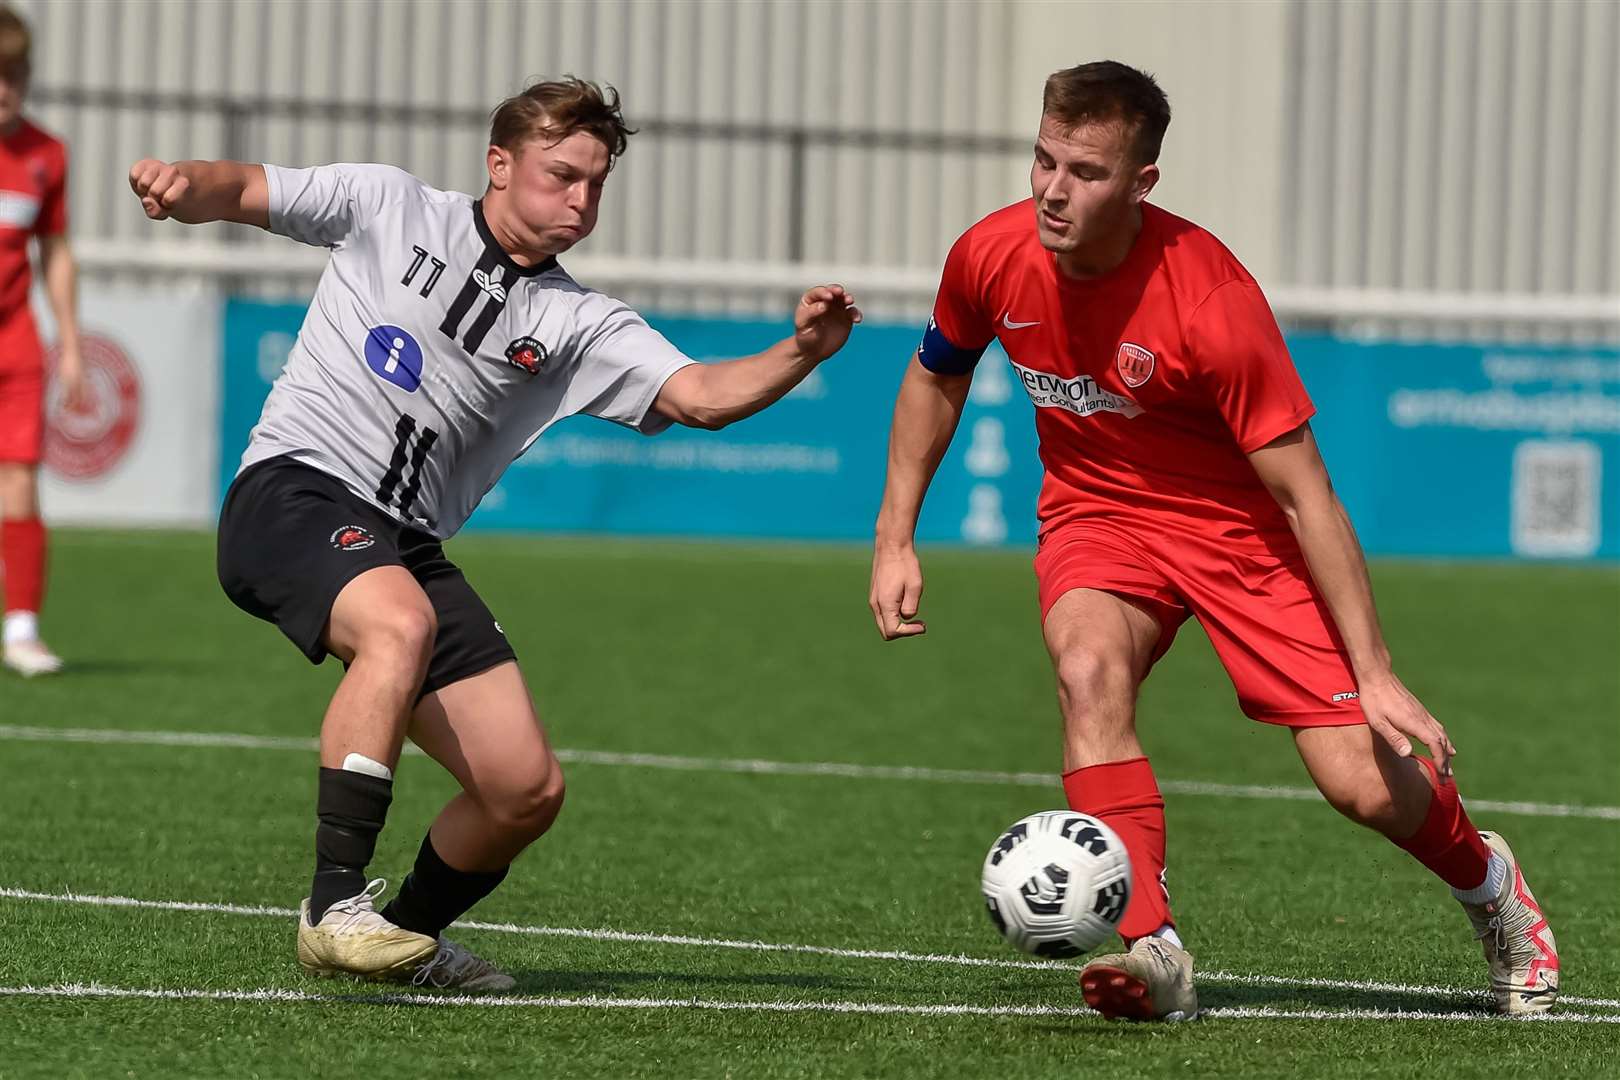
<point>1490,888</point>
<point>21,626</point>
<point>1169,934</point>
<point>361,764</point>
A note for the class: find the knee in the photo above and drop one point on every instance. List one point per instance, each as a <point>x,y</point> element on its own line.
<point>1364,799</point>
<point>1088,679</point>
<point>529,804</point>
<point>402,635</point>
<point>17,491</point>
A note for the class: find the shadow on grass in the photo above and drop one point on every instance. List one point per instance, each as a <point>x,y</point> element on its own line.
<point>1295,999</point>
<point>1316,997</point>
<point>607,983</point>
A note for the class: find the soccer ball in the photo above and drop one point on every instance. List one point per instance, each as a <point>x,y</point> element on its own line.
<point>1056,883</point>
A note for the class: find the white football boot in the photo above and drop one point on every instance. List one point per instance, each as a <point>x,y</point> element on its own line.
<point>1152,981</point>
<point>1519,947</point>
<point>352,938</point>
<point>30,657</point>
<point>456,967</point>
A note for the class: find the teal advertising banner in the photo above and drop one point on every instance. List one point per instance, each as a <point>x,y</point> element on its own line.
<point>1439,450</point>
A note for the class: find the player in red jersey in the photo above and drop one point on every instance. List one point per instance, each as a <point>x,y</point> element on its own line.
<point>33,205</point>
<point>1182,480</point>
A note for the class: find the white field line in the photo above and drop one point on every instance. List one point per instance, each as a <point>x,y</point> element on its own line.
<point>880,1008</point>
<point>782,947</point>
<point>1232,979</point>
<point>1263,1012</point>
<point>773,768</point>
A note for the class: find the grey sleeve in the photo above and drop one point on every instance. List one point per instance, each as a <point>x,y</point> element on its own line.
<point>326,204</point>
<point>622,365</point>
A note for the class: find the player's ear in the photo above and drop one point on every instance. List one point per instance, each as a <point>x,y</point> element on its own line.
<point>499,162</point>
<point>1146,177</point>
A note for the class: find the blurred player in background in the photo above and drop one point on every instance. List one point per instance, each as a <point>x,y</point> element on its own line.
<point>33,205</point>
<point>442,340</point>
<point>1182,479</point>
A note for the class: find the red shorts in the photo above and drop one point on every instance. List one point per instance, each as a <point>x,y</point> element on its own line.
<point>1258,605</point>
<point>22,391</point>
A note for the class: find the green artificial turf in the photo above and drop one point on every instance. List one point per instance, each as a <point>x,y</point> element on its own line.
<point>768,652</point>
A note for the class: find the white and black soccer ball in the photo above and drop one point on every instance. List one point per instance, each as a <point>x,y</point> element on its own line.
<point>1056,883</point>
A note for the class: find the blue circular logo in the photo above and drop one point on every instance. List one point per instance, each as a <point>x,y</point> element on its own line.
<point>395,355</point>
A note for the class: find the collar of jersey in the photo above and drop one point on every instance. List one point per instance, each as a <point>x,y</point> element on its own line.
<point>500,252</point>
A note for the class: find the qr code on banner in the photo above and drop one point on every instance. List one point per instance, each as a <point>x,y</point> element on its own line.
<point>1556,488</point>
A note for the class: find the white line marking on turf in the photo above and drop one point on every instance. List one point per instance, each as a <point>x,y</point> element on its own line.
<point>152,905</point>
<point>592,1001</point>
<point>779,947</point>
<point>217,739</point>
<point>1235,979</point>
<point>1265,1012</point>
<point>881,1008</point>
<point>774,768</point>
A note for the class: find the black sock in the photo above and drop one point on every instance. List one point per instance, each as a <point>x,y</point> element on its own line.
<point>350,807</point>
<point>436,894</point>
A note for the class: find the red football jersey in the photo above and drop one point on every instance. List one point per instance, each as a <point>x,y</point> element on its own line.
<point>1150,383</point>
<point>33,202</point>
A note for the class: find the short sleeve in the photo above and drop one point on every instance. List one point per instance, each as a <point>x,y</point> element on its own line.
<point>52,219</point>
<point>326,204</point>
<point>1244,364</point>
<point>622,365</point>
<point>959,331</point>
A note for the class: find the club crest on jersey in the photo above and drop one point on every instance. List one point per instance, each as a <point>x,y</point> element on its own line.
<point>491,285</point>
<point>353,538</point>
<point>527,354</point>
<point>1135,364</point>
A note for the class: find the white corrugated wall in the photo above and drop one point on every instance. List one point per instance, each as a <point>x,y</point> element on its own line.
<point>829,66</point>
<point>1449,146</point>
<point>1469,146</point>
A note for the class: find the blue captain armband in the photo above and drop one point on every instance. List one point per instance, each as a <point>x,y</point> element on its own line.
<point>939,355</point>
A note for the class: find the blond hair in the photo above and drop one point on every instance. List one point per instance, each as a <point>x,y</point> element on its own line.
<point>557,108</point>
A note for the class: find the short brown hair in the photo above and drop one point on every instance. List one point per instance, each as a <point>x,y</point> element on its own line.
<point>15,44</point>
<point>1110,92</point>
<point>556,109</point>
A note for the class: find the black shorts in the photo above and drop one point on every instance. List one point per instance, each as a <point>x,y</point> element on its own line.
<point>291,537</point>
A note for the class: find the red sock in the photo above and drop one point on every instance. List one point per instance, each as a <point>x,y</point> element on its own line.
<point>1125,797</point>
<point>22,548</point>
<point>1447,841</point>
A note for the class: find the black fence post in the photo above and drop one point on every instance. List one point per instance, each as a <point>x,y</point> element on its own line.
<point>235,114</point>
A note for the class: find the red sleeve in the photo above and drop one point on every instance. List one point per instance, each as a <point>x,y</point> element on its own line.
<point>1246,367</point>
<point>958,307</point>
<point>52,220</point>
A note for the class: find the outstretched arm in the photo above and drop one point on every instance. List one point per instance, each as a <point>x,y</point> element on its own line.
<point>926,413</point>
<point>197,192</point>
<point>714,395</point>
<point>1292,469</point>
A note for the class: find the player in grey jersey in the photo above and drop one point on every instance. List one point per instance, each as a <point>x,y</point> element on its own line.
<point>442,340</point>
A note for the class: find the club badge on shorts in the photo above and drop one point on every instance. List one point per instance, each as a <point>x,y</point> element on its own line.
<point>1135,364</point>
<point>353,538</point>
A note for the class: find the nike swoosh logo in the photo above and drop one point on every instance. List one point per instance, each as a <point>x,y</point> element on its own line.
<point>1006,320</point>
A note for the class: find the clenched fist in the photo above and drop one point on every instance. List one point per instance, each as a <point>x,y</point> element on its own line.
<point>159,185</point>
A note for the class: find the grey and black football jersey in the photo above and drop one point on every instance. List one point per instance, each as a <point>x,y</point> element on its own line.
<point>429,360</point>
